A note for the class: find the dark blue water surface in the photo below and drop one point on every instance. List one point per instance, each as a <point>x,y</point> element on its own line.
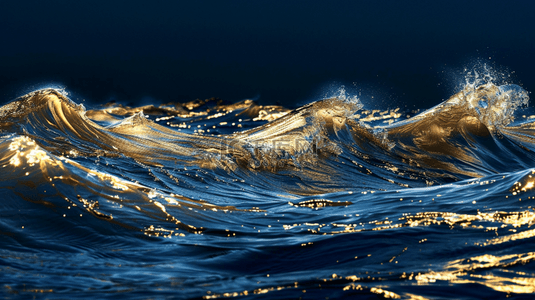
<point>212,200</point>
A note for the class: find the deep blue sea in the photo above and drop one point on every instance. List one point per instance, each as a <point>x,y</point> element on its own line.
<point>209,199</point>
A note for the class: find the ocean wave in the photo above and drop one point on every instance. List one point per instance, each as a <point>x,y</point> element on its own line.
<point>238,199</point>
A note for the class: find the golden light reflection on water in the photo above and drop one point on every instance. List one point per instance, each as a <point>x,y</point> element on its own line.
<point>378,290</point>
<point>524,185</point>
<point>509,238</point>
<point>484,269</point>
<point>26,152</point>
<point>345,284</point>
<point>388,116</point>
<point>476,221</point>
<point>463,271</point>
<point>319,203</point>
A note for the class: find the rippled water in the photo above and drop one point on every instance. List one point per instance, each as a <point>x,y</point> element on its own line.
<point>211,200</point>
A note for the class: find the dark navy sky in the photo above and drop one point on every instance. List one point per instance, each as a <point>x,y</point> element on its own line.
<point>279,51</point>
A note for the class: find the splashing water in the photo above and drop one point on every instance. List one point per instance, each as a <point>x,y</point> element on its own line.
<point>494,103</point>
